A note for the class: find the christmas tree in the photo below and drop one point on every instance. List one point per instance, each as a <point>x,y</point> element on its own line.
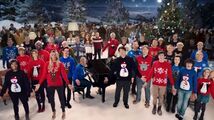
<point>74,10</point>
<point>116,12</point>
<point>170,18</point>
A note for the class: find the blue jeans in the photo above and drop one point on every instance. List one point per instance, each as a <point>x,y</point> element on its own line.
<point>183,98</point>
<point>139,84</point>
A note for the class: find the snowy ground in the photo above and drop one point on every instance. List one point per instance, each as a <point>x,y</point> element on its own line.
<point>96,110</point>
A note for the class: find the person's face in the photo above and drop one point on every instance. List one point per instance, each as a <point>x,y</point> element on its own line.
<point>175,36</point>
<point>160,42</point>
<point>145,51</point>
<point>124,41</point>
<point>154,43</point>
<point>206,73</point>
<point>170,48</point>
<point>21,52</point>
<point>38,46</point>
<point>54,57</point>
<point>199,55</point>
<point>10,42</point>
<point>66,52</point>
<point>212,75</point>
<point>135,45</point>
<point>177,60</point>
<point>77,39</point>
<point>14,66</point>
<point>161,57</point>
<point>189,66</point>
<point>34,55</point>
<point>200,46</point>
<point>97,34</point>
<point>122,52</point>
<point>179,46</point>
<point>113,36</point>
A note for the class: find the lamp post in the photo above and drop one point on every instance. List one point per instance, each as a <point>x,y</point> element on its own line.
<point>73,26</point>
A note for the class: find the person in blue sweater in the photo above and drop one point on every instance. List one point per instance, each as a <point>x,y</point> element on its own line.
<point>199,63</point>
<point>133,53</point>
<point>200,46</point>
<point>186,84</point>
<point>9,52</point>
<point>171,100</point>
<point>79,75</point>
<point>69,64</point>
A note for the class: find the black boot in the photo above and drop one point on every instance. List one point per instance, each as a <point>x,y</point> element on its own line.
<point>167,108</point>
<point>159,110</point>
<point>68,105</point>
<point>154,110</point>
<point>202,116</point>
<point>89,96</point>
<point>195,116</point>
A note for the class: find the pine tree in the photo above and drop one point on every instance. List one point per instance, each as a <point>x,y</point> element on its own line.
<point>7,10</point>
<point>31,11</point>
<point>74,11</point>
<point>116,12</point>
<point>170,17</point>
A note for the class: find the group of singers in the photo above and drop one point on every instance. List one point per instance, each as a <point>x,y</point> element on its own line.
<point>174,76</point>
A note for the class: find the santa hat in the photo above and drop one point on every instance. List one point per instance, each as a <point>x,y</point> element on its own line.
<point>39,42</point>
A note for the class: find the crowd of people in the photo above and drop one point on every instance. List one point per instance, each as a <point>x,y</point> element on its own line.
<point>46,58</point>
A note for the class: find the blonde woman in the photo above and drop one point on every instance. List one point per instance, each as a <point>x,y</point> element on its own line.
<point>54,72</point>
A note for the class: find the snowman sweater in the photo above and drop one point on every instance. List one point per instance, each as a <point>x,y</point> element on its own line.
<point>124,68</point>
<point>35,69</point>
<point>187,80</point>
<point>160,71</point>
<point>16,82</point>
<point>205,86</point>
<point>24,62</point>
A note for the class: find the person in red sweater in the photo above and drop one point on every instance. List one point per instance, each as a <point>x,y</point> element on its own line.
<point>205,85</point>
<point>54,72</point>
<point>144,65</point>
<point>98,43</point>
<point>161,71</point>
<point>23,59</point>
<point>111,45</point>
<point>51,45</point>
<point>154,49</point>
<point>36,66</point>
<point>43,54</point>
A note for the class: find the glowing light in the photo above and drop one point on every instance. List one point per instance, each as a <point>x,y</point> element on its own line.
<point>159,1</point>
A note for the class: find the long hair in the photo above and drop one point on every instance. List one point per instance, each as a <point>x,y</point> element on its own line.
<point>51,62</point>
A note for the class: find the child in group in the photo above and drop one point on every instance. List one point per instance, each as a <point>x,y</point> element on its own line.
<point>205,84</point>
<point>186,84</point>
<point>170,98</point>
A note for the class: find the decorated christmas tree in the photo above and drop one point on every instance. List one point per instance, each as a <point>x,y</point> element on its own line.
<point>74,10</point>
<point>170,17</point>
<point>116,12</point>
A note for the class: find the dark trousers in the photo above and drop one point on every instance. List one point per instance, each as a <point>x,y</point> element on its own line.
<point>125,85</point>
<point>85,83</point>
<point>171,100</point>
<point>200,106</point>
<point>51,98</point>
<point>67,97</point>
<point>15,97</point>
<point>89,56</point>
<point>40,94</point>
<point>134,86</point>
<point>97,52</point>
